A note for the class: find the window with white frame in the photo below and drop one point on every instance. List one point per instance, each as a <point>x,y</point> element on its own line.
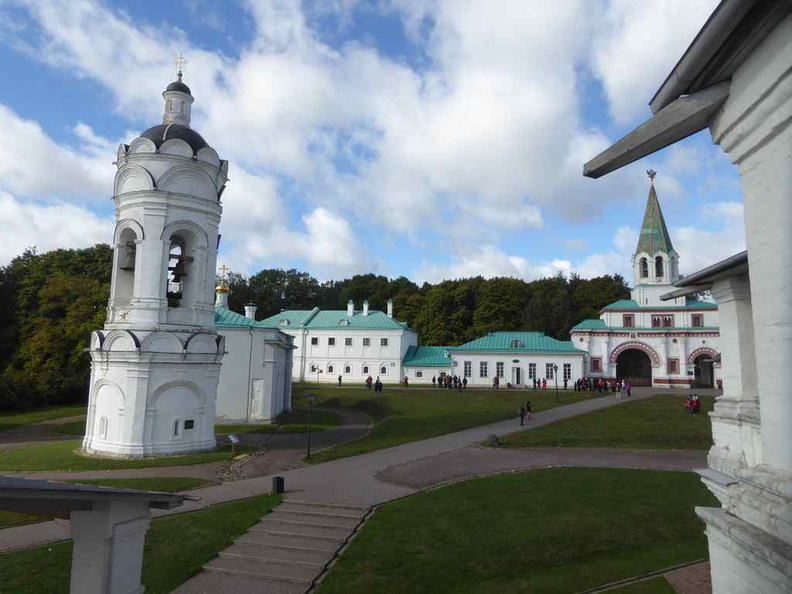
<point>103,428</point>
<point>567,371</point>
<point>331,341</point>
<point>419,374</point>
<point>348,341</point>
<point>383,370</point>
<point>482,369</point>
<point>177,432</point>
<point>365,369</point>
<point>532,371</point>
<point>383,342</point>
<point>189,424</point>
<point>468,369</point>
<point>366,342</point>
<point>347,369</point>
<point>330,369</point>
<point>549,371</point>
<point>499,368</point>
<point>314,340</point>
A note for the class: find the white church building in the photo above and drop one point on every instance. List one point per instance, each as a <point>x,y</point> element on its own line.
<point>653,342</point>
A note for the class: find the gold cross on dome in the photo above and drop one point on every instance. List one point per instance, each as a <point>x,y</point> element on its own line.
<point>180,63</point>
<point>223,270</point>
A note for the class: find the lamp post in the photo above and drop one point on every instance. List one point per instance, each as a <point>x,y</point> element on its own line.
<point>555,376</point>
<point>311,398</point>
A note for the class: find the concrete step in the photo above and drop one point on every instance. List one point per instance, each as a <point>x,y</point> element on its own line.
<point>290,541</point>
<point>325,521</point>
<point>216,582</point>
<point>308,509</point>
<point>276,553</point>
<point>332,533</point>
<point>332,506</point>
<point>286,572</point>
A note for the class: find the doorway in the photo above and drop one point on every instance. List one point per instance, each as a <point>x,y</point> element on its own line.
<point>516,374</point>
<point>703,374</point>
<point>636,365</point>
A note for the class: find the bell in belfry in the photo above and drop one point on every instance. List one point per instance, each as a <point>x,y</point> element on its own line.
<point>179,271</point>
<point>128,257</point>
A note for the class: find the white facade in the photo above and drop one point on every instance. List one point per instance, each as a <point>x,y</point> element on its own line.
<point>156,363</point>
<point>353,344</point>
<point>255,380</point>
<point>653,342</point>
<point>517,368</point>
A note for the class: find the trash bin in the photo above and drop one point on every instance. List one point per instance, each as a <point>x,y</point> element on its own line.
<point>278,485</point>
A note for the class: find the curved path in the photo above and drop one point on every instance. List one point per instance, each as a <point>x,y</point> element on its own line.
<point>358,481</point>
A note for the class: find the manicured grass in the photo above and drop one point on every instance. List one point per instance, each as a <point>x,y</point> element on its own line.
<point>657,422</point>
<point>168,484</point>
<point>295,421</point>
<point>658,585</point>
<point>60,455</point>
<point>10,420</point>
<point>176,548</point>
<point>8,519</point>
<point>405,415</point>
<point>561,530</point>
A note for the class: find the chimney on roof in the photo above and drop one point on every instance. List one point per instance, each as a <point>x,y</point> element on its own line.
<point>350,308</point>
<point>390,308</point>
<point>250,311</point>
<point>365,307</point>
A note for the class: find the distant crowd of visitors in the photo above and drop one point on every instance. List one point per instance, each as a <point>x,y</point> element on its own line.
<point>618,387</point>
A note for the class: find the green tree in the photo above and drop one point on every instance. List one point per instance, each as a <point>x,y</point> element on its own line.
<point>500,305</point>
<point>548,310</point>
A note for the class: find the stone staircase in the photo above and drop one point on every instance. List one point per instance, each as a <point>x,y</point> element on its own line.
<point>283,554</point>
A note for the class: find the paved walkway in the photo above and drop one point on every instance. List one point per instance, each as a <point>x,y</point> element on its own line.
<point>354,481</point>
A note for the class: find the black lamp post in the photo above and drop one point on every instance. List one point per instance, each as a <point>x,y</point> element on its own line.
<point>311,398</point>
<point>555,375</point>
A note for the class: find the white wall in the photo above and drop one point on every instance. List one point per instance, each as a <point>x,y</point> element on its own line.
<point>426,372</point>
<point>523,362</point>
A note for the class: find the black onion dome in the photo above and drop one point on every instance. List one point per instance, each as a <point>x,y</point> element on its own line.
<point>178,85</point>
<point>163,132</point>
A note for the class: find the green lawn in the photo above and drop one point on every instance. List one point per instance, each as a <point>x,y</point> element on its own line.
<point>657,422</point>
<point>73,428</point>
<point>9,519</point>
<point>405,415</point>
<point>10,420</point>
<point>295,421</point>
<point>560,530</point>
<point>176,548</point>
<point>60,455</point>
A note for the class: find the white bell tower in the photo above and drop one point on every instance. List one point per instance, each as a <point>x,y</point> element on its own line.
<point>156,363</point>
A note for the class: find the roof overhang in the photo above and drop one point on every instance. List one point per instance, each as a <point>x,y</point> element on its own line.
<point>699,83</point>
<point>704,278</point>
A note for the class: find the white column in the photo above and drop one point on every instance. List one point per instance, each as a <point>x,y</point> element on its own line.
<point>754,129</point>
<point>108,547</point>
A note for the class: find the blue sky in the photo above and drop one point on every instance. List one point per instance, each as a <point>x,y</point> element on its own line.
<point>435,139</point>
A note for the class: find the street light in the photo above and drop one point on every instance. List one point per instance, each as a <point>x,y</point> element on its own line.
<point>555,375</point>
<point>311,398</point>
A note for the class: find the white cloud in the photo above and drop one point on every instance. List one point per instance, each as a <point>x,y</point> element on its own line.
<point>32,164</point>
<point>48,227</point>
<point>638,44</point>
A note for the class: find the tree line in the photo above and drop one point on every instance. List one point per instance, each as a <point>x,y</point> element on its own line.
<point>49,304</point>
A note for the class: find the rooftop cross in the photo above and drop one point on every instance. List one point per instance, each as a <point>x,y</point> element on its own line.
<point>180,64</point>
<point>651,173</point>
<point>223,270</point>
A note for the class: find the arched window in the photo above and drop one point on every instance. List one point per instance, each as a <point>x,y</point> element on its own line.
<point>659,266</point>
<point>644,268</point>
<point>103,428</point>
<point>126,261</point>
<point>181,276</point>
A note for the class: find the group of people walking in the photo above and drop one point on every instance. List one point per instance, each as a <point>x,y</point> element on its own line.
<point>693,404</point>
<point>618,387</point>
<point>449,382</point>
<point>525,411</point>
<point>377,384</point>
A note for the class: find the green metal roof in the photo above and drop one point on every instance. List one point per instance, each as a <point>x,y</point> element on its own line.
<point>654,235</point>
<point>632,304</point>
<point>427,356</point>
<point>518,342</point>
<point>317,319</point>
<point>591,325</point>
<point>225,318</point>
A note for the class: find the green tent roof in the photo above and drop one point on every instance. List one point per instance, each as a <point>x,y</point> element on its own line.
<point>427,356</point>
<point>654,235</point>
<point>518,342</point>
<point>317,319</point>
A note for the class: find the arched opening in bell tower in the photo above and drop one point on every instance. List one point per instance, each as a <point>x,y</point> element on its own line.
<point>180,289</point>
<point>126,263</point>
<point>644,268</point>
<point>659,267</point>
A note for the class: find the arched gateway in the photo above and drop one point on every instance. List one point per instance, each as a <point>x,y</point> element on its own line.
<point>636,365</point>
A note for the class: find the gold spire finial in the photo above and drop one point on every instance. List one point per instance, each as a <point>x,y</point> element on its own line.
<point>223,286</point>
<point>651,173</point>
<point>180,64</point>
